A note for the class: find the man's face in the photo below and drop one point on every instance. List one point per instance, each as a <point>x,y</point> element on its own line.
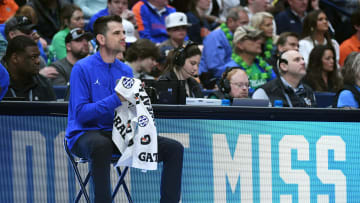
<point>299,6</point>
<point>117,7</point>
<point>295,64</point>
<point>292,43</point>
<point>239,84</point>
<point>260,5</point>
<point>147,64</point>
<point>29,33</point>
<point>251,45</point>
<point>79,48</point>
<point>115,37</point>
<point>177,33</point>
<point>29,61</point>
<point>242,20</point>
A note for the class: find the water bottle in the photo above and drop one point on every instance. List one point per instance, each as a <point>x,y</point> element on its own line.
<point>225,102</point>
<point>278,103</point>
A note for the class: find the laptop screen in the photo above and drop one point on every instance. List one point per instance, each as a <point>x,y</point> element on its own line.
<point>250,102</point>
<point>165,91</point>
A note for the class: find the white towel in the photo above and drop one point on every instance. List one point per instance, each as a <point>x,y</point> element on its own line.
<point>134,131</point>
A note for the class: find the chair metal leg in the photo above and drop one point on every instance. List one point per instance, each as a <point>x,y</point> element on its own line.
<point>121,181</point>
<point>83,187</point>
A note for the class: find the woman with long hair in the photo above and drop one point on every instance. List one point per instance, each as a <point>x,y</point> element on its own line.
<point>264,21</point>
<point>71,17</point>
<point>349,96</point>
<point>200,27</point>
<point>316,32</point>
<point>322,72</point>
<point>183,64</point>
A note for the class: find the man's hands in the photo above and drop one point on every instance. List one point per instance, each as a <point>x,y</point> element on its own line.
<point>49,72</point>
<point>122,99</point>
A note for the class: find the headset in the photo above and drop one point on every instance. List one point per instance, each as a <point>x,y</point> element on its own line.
<point>180,53</point>
<point>281,60</point>
<point>224,83</point>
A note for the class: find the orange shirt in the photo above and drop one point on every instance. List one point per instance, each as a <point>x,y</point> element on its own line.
<point>348,46</point>
<point>7,10</point>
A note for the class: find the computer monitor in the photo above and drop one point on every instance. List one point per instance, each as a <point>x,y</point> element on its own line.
<point>166,91</point>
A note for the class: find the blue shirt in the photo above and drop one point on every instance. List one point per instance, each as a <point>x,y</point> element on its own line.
<point>4,81</point>
<point>216,53</point>
<point>150,24</point>
<point>92,96</point>
<point>347,99</point>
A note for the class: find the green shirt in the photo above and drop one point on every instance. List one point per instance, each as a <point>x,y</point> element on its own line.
<point>58,43</point>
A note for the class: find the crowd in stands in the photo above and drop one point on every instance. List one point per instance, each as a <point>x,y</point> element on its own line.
<point>262,49</point>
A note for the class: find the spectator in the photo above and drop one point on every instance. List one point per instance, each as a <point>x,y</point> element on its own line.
<point>322,73</point>
<point>176,26</point>
<point>30,13</point>
<point>90,7</point>
<point>48,14</point>
<point>92,103</point>
<point>4,81</point>
<point>234,83</point>
<point>349,96</point>
<point>21,25</point>
<point>141,56</point>
<point>218,47</point>
<point>23,64</point>
<point>291,19</point>
<point>150,18</point>
<point>77,47</point>
<point>352,43</point>
<point>286,41</point>
<point>264,21</point>
<point>182,64</point>
<point>247,50</point>
<point>288,87</point>
<point>71,17</point>
<point>255,6</point>
<point>8,8</point>
<point>316,32</point>
<point>114,7</point>
<point>200,27</point>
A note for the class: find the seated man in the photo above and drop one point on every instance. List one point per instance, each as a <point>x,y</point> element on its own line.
<point>92,104</point>
<point>176,27</point>
<point>288,87</point>
<point>23,64</point>
<point>141,56</point>
<point>150,18</point>
<point>247,50</point>
<point>233,84</point>
<point>286,41</point>
<point>4,81</point>
<point>77,47</point>
<point>21,25</point>
<point>218,47</point>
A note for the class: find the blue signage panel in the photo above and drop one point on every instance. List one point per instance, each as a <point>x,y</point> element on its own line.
<point>224,161</point>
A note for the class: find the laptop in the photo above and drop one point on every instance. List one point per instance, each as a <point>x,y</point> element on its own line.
<point>165,91</point>
<point>250,102</point>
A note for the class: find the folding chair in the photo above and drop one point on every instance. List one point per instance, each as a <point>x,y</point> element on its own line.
<point>75,161</point>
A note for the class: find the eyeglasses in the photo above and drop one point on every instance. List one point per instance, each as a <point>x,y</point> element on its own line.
<point>241,84</point>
